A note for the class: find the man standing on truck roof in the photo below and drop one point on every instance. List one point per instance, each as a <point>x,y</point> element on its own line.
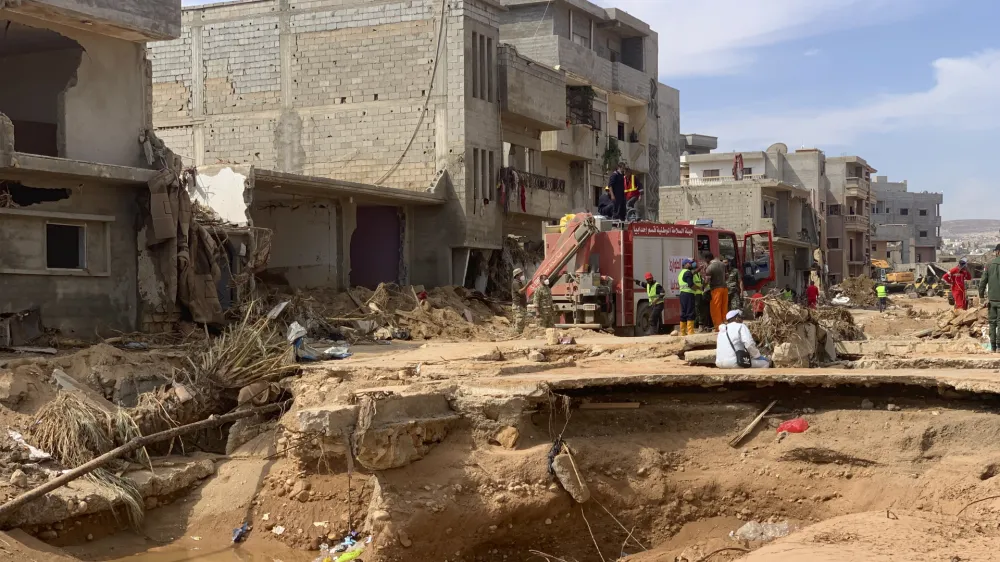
<point>518,301</point>
<point>617,184</point>
<point>686,281</point>
<point>605,205</point>
<point>957,278</point>
<point>989,284</point>
<point>654,292</point>
<point>720,291</point>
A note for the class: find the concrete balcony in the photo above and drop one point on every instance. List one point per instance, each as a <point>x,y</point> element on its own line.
<point>578,142</point>
<point>858,188</point>
<point>637,155</point>
<point>630,82</point>
<point>531,94</point>
<point>148,20</point>
<point>544,197</point>
<point>857,223</point>
<point>723,179</point>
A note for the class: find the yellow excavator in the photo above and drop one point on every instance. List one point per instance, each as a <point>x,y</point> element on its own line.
<point>895,281</point>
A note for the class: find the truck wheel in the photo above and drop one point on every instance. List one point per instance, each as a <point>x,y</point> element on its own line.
<point>644,320</point>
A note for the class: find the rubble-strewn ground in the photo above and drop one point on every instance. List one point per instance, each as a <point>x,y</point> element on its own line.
<point>451,443</point>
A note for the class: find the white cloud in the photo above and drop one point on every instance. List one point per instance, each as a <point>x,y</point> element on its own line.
<point>965,96</point>
<point>718,37</point>
<point>811,53</point>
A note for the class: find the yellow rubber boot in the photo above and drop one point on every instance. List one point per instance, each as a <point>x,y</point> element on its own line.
<point>691,331</point>
<point>682,328</point>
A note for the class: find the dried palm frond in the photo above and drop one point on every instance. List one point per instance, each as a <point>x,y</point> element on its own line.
<point>247,351</point>
<point>76,431</point>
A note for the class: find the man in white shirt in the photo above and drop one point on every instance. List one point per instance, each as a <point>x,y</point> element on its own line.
<point>733,335</point>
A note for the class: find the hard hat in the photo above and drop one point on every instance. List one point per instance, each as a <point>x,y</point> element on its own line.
<point>649,275</point>
<point>963,261</point>
<point>518,271</point>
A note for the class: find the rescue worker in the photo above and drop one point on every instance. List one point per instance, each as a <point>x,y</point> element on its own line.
<point>989,284</point>
<point>617,185</point>
<point>883,296</point>
<point>812,295</point>
<point>605,205</point>
<point>655,293</point>
<point>733,286</point>
<point>957,278</point>
<point>686,282</point>
<point>735,335</point>
<point>702,312</point>
<point>719,291</point>
<point>757,304</point>
<point>788,294</point>
<point>544,307</point>
<point>633,190</point>
<point>518,301</point>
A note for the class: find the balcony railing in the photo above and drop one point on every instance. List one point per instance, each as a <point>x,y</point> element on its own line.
<point>722,179</point>
<point>535,181</point>
<point>857,222</point>
<point>858,188</point>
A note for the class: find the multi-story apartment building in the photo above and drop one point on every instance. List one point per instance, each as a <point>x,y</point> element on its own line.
<point>849,216</point>
<point>617,109</point>
<point>905,221</point>
<point>470,119</point>
<point>74,102</point>
<point>698,144</point>
<point>776,192</point>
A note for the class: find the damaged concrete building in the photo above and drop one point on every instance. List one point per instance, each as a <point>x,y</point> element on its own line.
<point>75,99</point>
<point>777,191</point>
<point>414,135</point>
<point>907,223</point>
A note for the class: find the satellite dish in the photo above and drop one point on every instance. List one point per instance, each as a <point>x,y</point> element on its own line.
<point>779,147</point>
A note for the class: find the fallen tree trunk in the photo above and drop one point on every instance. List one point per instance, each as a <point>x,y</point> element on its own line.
<point>133,445</point>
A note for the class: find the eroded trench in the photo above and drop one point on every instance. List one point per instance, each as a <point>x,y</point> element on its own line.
<point>665,482</point>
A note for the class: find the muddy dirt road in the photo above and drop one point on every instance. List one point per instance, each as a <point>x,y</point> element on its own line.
<point>442,451</point>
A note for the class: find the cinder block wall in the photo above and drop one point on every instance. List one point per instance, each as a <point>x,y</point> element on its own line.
<point>731,207</point>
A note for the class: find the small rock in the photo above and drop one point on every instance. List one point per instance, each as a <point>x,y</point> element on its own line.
<point>548,521</point>
<point>537,356</point>
<point>641,471</point>
<point>808,410</point>
<point>49,535</point>
<point>19,479</point>
<point>507,437</point>
<point>90,537</point>
<point>867,404</point>
<point>380,515</point>
<point>688,496</point>
<point>302,496</point>
<point>82,507</point>
<point>151,503</point>
<point>404,539</point>
<point>893,408</point>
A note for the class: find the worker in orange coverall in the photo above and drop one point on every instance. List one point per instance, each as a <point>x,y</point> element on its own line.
<point>957,278</point>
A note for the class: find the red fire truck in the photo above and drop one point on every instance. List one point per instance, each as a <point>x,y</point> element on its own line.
<point>593,263</point>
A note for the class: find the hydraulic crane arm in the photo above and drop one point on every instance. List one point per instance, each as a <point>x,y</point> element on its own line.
<point>578,230</point>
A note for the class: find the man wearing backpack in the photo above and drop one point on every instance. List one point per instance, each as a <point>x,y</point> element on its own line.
<point>735,341</point>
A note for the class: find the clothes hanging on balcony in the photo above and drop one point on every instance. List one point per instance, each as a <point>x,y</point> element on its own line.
<point>524,197</point>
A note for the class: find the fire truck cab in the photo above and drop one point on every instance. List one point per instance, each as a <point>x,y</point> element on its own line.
<point>593,264</point>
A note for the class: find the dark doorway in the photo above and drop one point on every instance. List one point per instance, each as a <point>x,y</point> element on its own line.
<point>376,246</point>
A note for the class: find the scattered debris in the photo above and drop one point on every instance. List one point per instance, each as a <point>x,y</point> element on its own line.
<point>797,425</point>
<point>536,356</point>
<point>755,531</point>
<point>240,533</point>
<point>507,437</point>
<point>735,441</point>
<point>955,323</point>
<point>859,290</point>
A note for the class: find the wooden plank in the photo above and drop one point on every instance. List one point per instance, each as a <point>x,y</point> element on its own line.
<point>610,405</point>
<point>735,441</point>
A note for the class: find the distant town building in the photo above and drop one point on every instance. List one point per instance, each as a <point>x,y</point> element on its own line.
<point>907,224</point>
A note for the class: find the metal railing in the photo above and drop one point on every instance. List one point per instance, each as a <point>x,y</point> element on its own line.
<point>535,181</point>
<point>722,179</point>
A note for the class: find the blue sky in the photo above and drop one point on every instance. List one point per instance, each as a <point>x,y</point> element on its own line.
<point>912,86</point>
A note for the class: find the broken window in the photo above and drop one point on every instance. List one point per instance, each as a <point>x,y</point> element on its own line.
<point>14,194</point>
<point>37,66</point>
<point>65,246</point>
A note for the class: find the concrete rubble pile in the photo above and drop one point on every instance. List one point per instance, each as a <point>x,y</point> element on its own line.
<point>792,335</point>
<point>860,291</point>
<point>956,323</point>
<point>401,313</point>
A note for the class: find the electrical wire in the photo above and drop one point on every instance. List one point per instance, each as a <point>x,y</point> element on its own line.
<point>427,99</point>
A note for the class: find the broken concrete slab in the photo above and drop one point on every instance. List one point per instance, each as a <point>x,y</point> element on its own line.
<point>700,357</point>
<point>569,478</point>
<point>399,444</point>
<point>905,348</point>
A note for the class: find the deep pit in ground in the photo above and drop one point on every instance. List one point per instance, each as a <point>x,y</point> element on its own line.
<point>663,473</point>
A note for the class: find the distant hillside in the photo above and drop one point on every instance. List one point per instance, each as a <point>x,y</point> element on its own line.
<point>955,229</point>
